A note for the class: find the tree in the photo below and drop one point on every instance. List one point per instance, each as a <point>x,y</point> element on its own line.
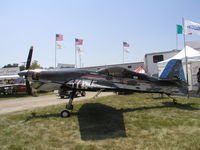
<point>51,68</point>
<point>10,65</point>
<point>35,65</point>
<point>22,67</point>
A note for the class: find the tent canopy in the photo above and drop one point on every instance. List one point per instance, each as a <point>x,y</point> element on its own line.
<point>192,55</point>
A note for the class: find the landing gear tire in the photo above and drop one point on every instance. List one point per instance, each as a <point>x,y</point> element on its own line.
<point>83,93</point>
<point>62,97</point>
<point>69,107</point>
<point>65,114</point>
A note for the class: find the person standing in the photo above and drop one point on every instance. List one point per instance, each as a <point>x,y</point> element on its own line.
<point>198,81</point>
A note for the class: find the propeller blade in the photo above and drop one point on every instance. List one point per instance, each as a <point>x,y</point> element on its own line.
<point>28,62</point>
<point>28,87</point>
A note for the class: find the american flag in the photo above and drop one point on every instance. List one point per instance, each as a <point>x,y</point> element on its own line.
<point>59,37</point>
<point>125,44</point>
<point>78,41</point>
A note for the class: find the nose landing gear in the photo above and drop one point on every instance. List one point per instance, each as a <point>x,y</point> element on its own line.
<point>69,107</point>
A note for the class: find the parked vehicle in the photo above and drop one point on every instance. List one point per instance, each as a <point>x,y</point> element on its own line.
<point>7,90</point>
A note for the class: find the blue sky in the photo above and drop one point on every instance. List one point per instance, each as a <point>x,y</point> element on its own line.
<point>148,26</point>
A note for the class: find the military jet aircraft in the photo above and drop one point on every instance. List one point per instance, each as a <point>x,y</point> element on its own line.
<point>117,79</point>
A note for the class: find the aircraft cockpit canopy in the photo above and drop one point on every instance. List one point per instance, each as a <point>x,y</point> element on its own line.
<point>117,72</point>
<point>121,72</point>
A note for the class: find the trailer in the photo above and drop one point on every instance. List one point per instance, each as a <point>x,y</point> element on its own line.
<point>151,60</point>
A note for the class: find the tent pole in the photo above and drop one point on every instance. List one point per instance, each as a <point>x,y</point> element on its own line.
<point>186,61</point>
<point>176,40</point>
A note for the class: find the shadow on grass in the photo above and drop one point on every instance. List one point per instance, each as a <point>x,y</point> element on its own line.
<point>34,116</point>
<point>98,121</point>
<point>187,106</point>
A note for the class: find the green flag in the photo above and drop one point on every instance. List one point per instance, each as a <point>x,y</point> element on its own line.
<point>179,29</point>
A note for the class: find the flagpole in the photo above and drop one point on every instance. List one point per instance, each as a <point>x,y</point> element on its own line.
<point>75,55</point>
<point>176,39</point>
<point>80,59</point>
<point>55,53</point>
<point>186,61</point>
<point>123,54</point>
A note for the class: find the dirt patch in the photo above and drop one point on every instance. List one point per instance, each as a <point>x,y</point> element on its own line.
<point>19,104</point>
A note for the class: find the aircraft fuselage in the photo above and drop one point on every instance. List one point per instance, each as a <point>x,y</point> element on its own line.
<point>93,81</point>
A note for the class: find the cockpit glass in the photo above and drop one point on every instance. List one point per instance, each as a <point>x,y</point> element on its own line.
<point>116,72</point>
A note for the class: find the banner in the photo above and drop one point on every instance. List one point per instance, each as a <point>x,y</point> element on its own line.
<point>191,27</point>
<point>79,50</point>
<point>126,50</point>
<point>59,46</point>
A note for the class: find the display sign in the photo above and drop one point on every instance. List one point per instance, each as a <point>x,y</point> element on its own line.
<point>64,66</point>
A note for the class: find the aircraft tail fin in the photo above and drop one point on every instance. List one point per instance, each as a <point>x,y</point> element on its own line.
<point>173,71</point>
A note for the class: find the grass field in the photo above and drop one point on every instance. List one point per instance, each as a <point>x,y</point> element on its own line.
<point>129,122</point>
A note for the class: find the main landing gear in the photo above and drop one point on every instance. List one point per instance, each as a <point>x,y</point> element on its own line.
<point>173,99</point>
<point>69,107</point>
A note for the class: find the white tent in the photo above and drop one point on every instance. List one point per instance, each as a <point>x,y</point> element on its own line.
<point>193,57</point>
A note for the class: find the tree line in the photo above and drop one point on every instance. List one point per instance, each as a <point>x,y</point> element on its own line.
<point>34,65</point>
